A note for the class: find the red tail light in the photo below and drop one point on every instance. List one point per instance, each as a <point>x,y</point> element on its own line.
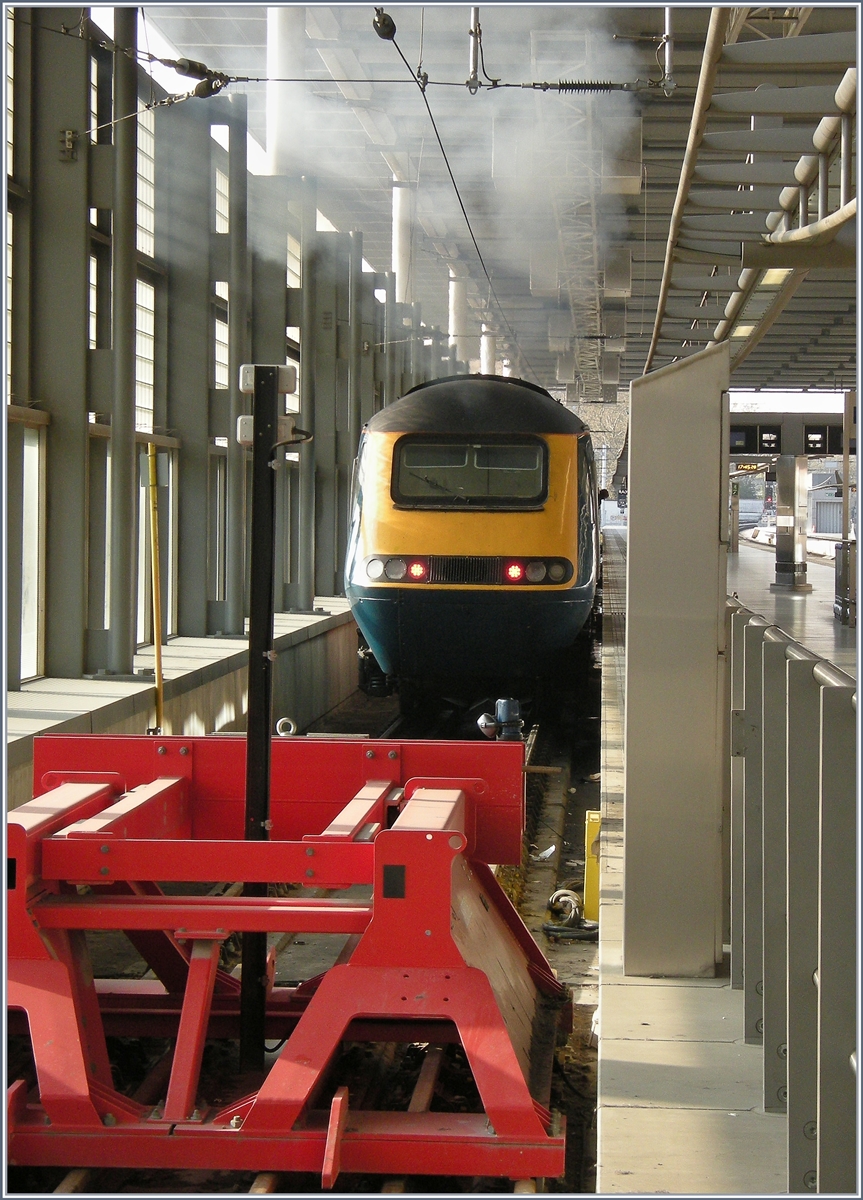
<point>417,570</point>
<point>513,572</point>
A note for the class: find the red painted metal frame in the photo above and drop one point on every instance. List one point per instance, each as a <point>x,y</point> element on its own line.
<point>118,814</point>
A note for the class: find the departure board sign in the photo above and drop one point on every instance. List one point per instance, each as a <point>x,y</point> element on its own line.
<point>744,439</point>
<point>769,439</point>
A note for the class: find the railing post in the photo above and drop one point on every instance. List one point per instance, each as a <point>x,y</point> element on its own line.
<point>739,620</point>
<point>753,934</point>
<point>802,927</point>
<point>837,943</point>
<point>773,765</point>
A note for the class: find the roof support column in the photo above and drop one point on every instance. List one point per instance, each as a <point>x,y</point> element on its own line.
<point>238,353</point>
<point>487,352</point>
<point>458,316</point>
<point>306,547</point>
<point>403,222</point>
<point>122,623</point>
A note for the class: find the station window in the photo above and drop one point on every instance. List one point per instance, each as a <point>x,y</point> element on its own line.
<point>144,622</point>
<point>93,296</point>
<point>146,180</point>
<point>216,516</point>
<point>32,555</point>
<point>220,335</point>
<point>222,207</point>
<point>94,98</point>
<point>145,328</point>
<point>295,262</point>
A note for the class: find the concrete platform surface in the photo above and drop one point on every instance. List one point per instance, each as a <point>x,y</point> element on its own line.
<point>679,1091</point>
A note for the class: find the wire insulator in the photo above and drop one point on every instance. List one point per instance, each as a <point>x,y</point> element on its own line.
<point>584,85</point>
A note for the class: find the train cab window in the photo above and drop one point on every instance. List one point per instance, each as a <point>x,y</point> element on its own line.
<point>482,472</point>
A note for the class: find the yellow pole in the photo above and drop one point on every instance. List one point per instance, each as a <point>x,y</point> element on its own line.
<point>156,578</point>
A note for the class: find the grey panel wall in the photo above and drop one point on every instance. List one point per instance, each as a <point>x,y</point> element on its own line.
<point>675,673</point>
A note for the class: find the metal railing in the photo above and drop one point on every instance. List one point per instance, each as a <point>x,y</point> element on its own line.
<point>794,890</point>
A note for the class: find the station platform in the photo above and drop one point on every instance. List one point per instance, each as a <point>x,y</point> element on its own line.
<point>679,1105</point>
<point>805,616</point>
<point>204,688</point>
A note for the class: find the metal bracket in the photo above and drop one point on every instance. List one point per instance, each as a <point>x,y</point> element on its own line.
<point>68,138</point>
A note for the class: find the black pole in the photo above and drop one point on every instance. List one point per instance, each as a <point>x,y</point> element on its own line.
<point>253,992</point>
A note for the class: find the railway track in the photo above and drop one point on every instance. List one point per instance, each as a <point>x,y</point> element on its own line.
<point>563,747</point>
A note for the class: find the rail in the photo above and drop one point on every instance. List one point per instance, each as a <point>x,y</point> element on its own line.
<point>794,890</point>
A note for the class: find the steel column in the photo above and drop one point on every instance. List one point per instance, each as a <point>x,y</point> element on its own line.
<point>306,508</point>
<point>802,930</point>
<point>57,317</point>
<point>846,129</point>
<point>124,474</point>
<point>355,338</point>
<point>182,193</point>
<point>391,333</point>
<point>403,220</point>
<point>487,352</point>
<point>837,943</point>
<point>238,352</point>
<point>458,316</point>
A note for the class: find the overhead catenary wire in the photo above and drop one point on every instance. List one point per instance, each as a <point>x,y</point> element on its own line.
<point>419,83</point>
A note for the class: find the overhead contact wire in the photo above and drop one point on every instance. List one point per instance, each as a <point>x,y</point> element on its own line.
<point>464,211</point>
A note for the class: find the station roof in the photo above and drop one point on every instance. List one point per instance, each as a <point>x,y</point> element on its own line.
<point>571,194</point>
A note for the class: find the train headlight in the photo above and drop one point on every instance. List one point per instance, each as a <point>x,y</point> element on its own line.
<point>396,568</point>
<point>556,572</point>
<point>534,572</point>
<point>417,571</point>
<point>374,568</point>
<point>513,572</point>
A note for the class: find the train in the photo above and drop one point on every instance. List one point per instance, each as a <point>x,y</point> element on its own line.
<point>473,549</point>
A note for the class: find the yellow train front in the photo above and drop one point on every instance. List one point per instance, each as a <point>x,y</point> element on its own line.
<point>473,547</point>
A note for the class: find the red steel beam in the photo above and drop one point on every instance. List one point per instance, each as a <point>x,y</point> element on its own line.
<point>197,916</point>
<point>83,860</point>
<point>189,1051</point>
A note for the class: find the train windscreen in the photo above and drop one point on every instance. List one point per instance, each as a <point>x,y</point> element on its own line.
<point>477,472</point>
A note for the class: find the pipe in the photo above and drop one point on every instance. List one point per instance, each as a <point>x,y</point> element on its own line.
<point>122,622</point>
<point>238,353</point>
<point>817,233</point>
<point>668,84</point>
<point>719,18</point>
<point>156,578</point>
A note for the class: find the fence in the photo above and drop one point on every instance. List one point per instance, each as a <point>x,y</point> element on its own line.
<point>794,890</point>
